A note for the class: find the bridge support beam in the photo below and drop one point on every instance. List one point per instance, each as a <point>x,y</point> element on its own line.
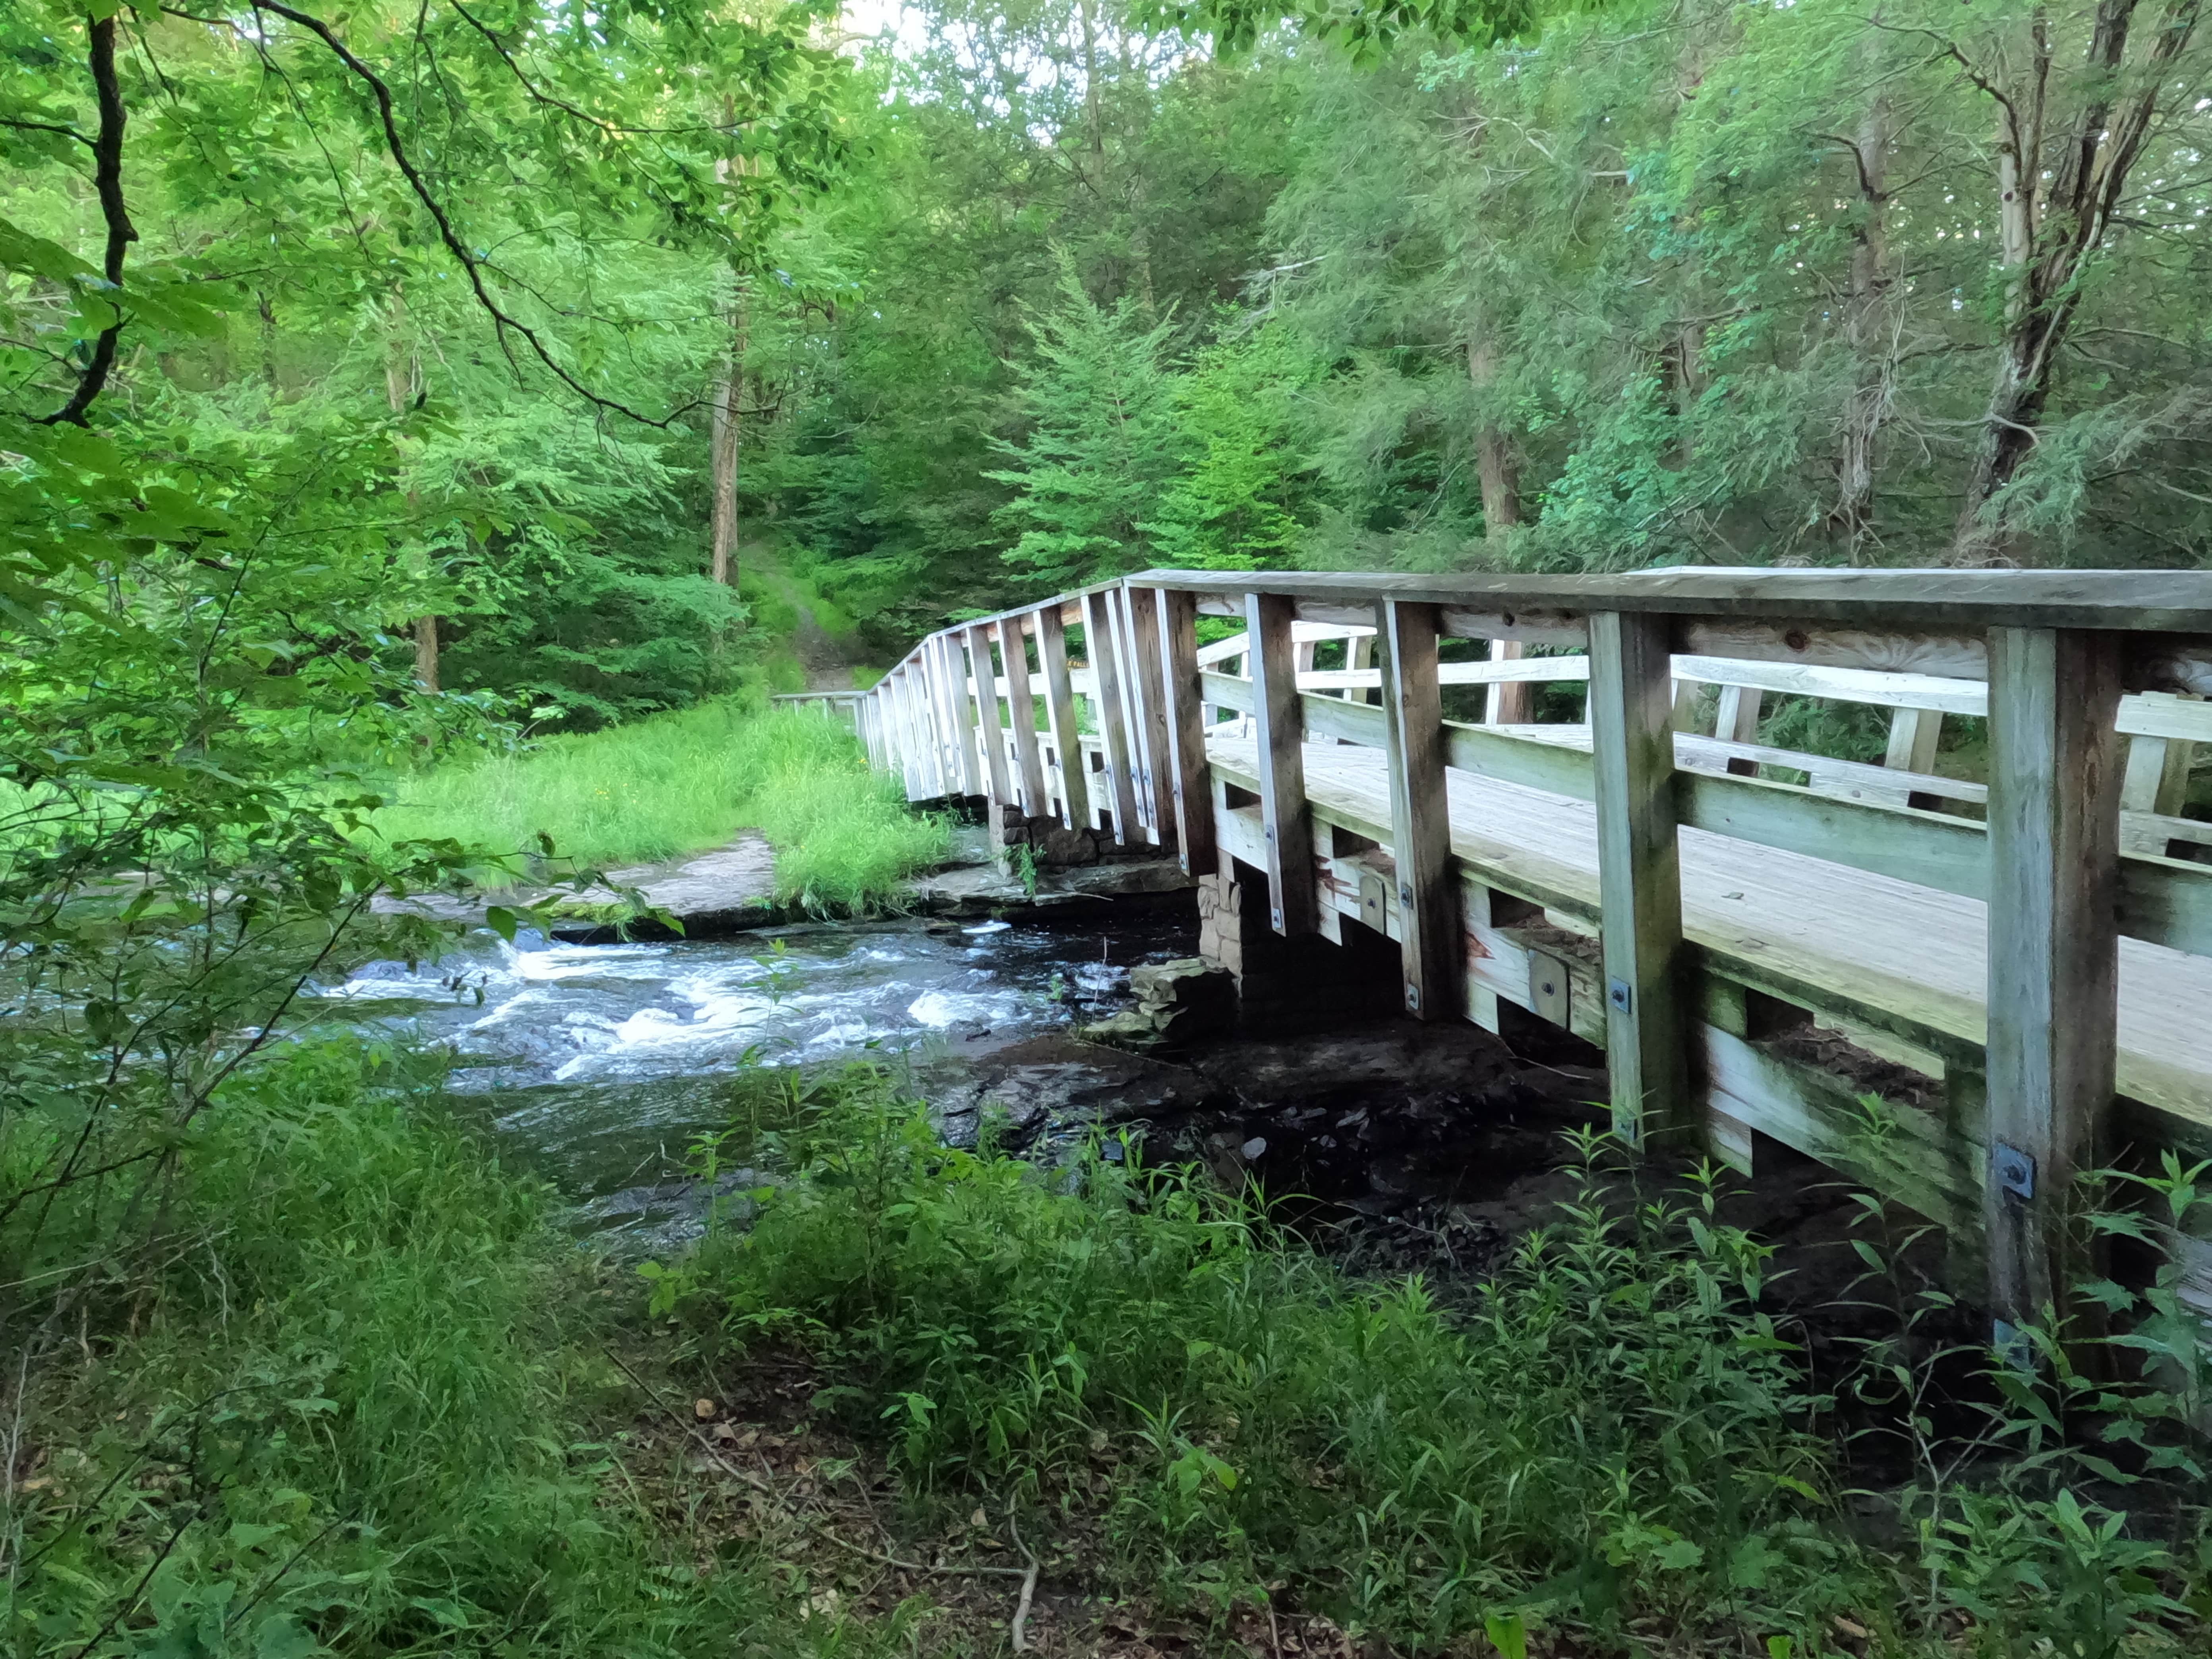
<point>2054,831</point>
<point>1430,933</point>
<point>1632,707</point>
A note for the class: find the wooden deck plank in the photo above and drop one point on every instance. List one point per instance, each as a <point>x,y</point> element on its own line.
<point>1876,944</point>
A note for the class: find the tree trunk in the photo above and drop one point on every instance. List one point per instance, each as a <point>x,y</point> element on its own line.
<point>1866,328</point>
<point>426,653</point>
<point>1494,460</point>
<point>2048,236</point>
<point>728,397</point>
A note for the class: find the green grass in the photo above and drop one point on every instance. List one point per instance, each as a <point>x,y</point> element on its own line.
<point>1611,1444</point>
<point>343,1402</point>
<point>684,782</point>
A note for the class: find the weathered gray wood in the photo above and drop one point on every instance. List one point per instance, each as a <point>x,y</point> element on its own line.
<point>984,684</point>
<point>894,733</point>
<point>1149,711</point>
<point>1737,718</point>
<point>2054,948</point>
<point>2162,900</point>
<point>1508,703</point>
<point>955,748</point>
<point>1187,769</point>
<point>1823,645</point>
<point>1060,711</point>
<point>1021,713</point>
<point>1358,657</point>
<point>1639,873</point>
<point>919,735</point>
<point>952,684</point>
<point>1430,934</point>
<point>1937,600</point>
<point>1887,690</point>
<point>1293,905</point>
<point>1914,735</point>
<point>1103,649</point>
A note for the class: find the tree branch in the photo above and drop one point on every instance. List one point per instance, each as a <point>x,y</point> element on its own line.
<point>107,180</point>
<point>503,322</point>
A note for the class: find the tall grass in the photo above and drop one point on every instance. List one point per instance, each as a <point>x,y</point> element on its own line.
<point>344,1410</point>
<point>683,783</point>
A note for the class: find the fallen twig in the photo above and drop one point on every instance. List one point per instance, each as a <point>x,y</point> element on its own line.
<point>1019,1629</point>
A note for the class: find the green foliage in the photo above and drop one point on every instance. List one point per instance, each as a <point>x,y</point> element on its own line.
<point>1102,440</point>
<point>684,782</point>
<point>1238,504</point>
<point>344,1412</point>
<point>1608,1440</point>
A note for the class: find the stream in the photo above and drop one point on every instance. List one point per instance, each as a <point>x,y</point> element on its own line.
<point>594,1065</point>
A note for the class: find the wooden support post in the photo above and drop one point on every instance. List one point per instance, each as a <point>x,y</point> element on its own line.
<point>2157,775</point>
<point>1687,692</point>
<point>935,718</point>
<point>1188,775</point>
<point>1060,711</point>
<point>1294,902</point>
<point>1913,735</point>
<point>1021,711</point>
<point>1148,710</point>
<point>921,777</point>
<point>2054,953</point>
<point>1508,703</point>
<point>1631,708</point>
<point>959,715</point>
<point>987,706</point>
<point>921,718</point>
<point>1358,653</point>
<point>894,735</point>
<point>1431,936</point>
<point>1101,645</point>
<point>1737,720</point>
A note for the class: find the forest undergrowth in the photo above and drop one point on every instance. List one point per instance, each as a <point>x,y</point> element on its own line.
<point>347,1386</point>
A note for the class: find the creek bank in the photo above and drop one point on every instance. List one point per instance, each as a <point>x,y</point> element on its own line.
<point>731,889</point>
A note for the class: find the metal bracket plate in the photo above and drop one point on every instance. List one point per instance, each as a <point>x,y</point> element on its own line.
<point>2014,1171</point>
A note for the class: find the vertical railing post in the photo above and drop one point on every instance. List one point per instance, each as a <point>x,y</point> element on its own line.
<point>1506,703</point>
<point>1060,710</point>
<point>1431,937</point>
<point>1279,727</point>
<point>1148,710</point>
<point>1106,677</point>
<point>1913,735</point>
<point>2054,951</point>
<point>1188,774</point>
<point>987,706</point>
<point>1632,706</point>
<point>1021,710</point>
<point>959,730</point>
<point>921,781</point>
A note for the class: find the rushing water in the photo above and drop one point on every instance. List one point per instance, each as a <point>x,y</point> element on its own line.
<point>597,1064</point>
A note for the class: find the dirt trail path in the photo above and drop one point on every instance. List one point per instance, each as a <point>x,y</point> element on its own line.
<point>827,659</point>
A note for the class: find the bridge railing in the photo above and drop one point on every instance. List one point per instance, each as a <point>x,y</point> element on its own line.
<point>1969,929</point>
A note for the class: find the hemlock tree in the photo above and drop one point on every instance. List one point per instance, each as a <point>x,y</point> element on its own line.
<point>1102,443</point>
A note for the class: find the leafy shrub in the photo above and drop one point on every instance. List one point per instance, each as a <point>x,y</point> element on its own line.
<point>1610,1438</point>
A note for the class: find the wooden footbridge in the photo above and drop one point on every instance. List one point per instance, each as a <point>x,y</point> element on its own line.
<point>1959,990</point>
